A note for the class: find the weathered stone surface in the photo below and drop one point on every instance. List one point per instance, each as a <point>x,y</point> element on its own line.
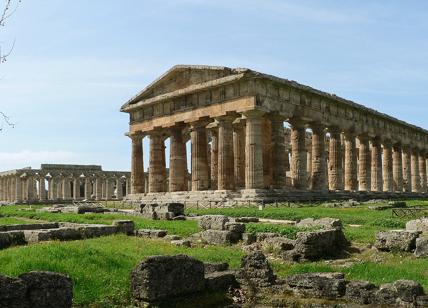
<point>220,237</point>
<point>170,237</point>
<point>278,244</point>
<point>166,211</point>
<point>215,267</point>
<point>360,292</point>
<point>317,244</point>
<point>213,222</point>
<point>422,301</point>
<point>151,233</point>
<point>235,227</point>
<point>421,247</point>
<point>48,290</point>
<point>11,238</point>
<point>28,227</point>
<point>91,231</point>
<point>13,292</point>
<point>255,271</point>
<point>261,236</point>
<point>396,240</point>
<point>420,224</point>
<point>162,277</point>
<point>62,234</point>
<point>182,243</point>
<point>324,285</point>
<point>124,226</point>
<point>246,219</point>
<point>399,292</point>
<point>220,280</point>
<point>249,238</point>
<point>326,223</point>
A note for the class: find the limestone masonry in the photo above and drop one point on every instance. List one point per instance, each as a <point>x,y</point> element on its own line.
<point>63,183</point>
<point>240,147</point>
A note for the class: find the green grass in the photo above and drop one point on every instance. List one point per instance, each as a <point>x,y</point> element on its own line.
<point>101,267</point>
<point>14,221</point>
<point>285,230</point>
<point>184,228</point>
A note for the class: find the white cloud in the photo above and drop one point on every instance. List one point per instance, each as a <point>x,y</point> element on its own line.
<point>26,158</point>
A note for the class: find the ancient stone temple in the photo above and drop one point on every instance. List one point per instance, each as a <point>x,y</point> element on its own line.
<point>54,183</point>
<point>254,135</point>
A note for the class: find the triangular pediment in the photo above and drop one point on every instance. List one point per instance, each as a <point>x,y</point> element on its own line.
<point>181,77</point>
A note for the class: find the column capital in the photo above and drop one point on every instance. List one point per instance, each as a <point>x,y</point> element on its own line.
<point>297,122</point>
<point>255,113</point>
<point>200,124</point>
<point>334,130</point>
<point>135,136</point>
<point>317,127</point>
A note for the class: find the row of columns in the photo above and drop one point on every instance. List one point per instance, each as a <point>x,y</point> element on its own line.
<point>15,188</point>
<point>249,152</point>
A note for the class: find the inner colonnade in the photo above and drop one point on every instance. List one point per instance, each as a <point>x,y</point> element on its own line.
<point>55,183</point>
<point>258,135</point>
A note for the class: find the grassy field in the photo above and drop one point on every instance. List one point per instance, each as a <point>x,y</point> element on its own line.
<point>15,221</point>
<point>183,228</point>
<point>100,268</point>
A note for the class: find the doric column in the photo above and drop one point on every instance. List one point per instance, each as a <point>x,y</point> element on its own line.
<point>137,164</point>
<point>239,152</point>
<point>157,166</point>
<point>99,188</point>
<point>278,152</point>
<point>318,176</point>
<point>298,154</point>
<point>267,153</point>
<point>88,187</point>
<point>364,166</point>
<point>119,188</point>
<point>109,188</point>
<point>214,157</point>
<point>387,167</point>
<point>198,135</point>
<point>423,171</point>
<point>76,188</point>
<point>377,178</point>
<point>416,180</point>
<point>177,161</point>
<point>253,150</point>
<point>351,181</point>
<point>335,168</point>
<point>226,179</point>
<point>42,188</point>
<point>407,169</point>
<point>18,189</point>
<point>66,190</point>
<point>397,168</point>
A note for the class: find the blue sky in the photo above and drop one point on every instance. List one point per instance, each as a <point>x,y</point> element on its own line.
<point>76,62</point>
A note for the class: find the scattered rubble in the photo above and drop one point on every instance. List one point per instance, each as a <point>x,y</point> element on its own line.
<point>166,211</point>
<point>218,229</point>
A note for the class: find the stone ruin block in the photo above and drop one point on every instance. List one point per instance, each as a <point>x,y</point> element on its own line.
<point>49,225</point>
<point>36,290</point>
<point>421,247</point>
<point>215,267</point>
<point>160,278</point>
<point>255,271</point>
<point>11,238</point>
<point>325,223</point>
<point>213,222</point>
<point>220,280</point>
<point>220,237</point>
<point>166,211</point>
<point>48,290</point>
<point>151,233</point>
<point>360,292</point>
<point>246,219</point>
<point>317,244</point>
<point>420,225</point>
<point>124,226</point>
<point>62,234</point>
<point>399,292</point>
<point>400,240</point>
<point>90,231</point>
<point>324,285</point>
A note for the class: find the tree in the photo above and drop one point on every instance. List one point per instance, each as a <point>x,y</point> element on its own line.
<point>8,9</point>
